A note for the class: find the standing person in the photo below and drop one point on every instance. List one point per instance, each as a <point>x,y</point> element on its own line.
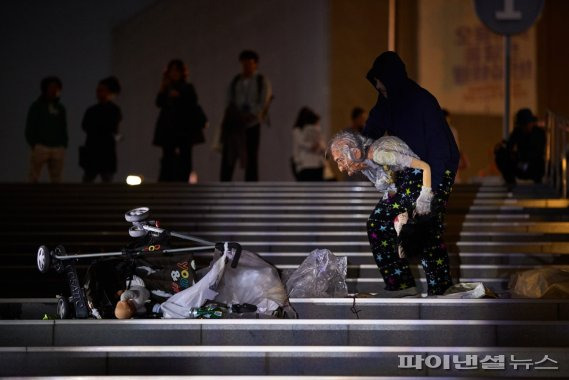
<point>523,154</point>
<point>46,131</point>
<point>408,111</point>
<point>308,146</point>
<point>101,124</point>
<point>248,100</point>
<point>404,182</point>
<point>180,123</point>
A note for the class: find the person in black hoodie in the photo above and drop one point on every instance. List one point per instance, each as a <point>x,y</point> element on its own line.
<point>408,111</point>
<point>101,124</point>
<point>180,123</point>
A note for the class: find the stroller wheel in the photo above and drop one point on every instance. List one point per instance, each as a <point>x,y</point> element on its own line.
<point>136,232</point>
<point>63,308</point>
<point>137,214</point>
<point>43,259</point>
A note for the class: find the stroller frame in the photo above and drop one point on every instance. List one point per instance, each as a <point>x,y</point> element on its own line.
<point>61,262</point>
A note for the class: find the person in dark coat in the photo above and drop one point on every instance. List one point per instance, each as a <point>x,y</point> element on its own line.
<point>46,131</point>
<point>180,123</point>
<point>101,124</point>
<point>523,154</point>
<point>406,110</point>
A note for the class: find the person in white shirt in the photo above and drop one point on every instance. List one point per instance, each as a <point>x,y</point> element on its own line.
<point>308,146</point>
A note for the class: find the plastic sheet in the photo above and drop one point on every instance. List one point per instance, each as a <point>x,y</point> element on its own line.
<point>552,282</point>
<point>320,275</point>
<point>469,290</point>
<point>253,281</point>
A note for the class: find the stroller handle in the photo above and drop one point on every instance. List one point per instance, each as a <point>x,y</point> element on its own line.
<point>230,245</point>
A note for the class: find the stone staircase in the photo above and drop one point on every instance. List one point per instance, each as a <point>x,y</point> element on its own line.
<point>490,234</point>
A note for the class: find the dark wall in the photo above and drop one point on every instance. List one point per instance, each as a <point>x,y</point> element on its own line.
<point>71,39</point>
<point>291,38</point>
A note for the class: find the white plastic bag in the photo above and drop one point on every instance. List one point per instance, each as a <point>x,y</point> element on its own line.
<point>320,275</point>
<point>178,306</point>
<point>253,281</point>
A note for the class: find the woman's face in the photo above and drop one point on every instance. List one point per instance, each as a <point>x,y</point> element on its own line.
<point>344,162</point>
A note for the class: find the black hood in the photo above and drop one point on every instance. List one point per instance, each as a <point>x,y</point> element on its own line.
<point>390,70</point>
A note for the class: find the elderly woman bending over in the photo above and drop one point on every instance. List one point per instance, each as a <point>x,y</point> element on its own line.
<point>404,182</point>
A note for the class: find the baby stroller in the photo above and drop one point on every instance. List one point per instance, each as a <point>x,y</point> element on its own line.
<point>169,270</point>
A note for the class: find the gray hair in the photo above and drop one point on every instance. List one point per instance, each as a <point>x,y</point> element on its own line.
<point>350,139</point>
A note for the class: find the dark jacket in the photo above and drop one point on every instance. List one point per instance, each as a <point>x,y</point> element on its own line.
<point>46,123</point>
<point>413,114</point>
<point>101,124</point>
<point>181,120</point>
<point>528,147</point>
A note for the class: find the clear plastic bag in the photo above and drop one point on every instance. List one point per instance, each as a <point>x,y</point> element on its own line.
<point>320,275</point>
<point>253,281</point>
<point>552,282</point>
<point>469,290</point>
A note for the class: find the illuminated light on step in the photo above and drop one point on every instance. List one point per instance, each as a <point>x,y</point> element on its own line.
<point>133,180</point>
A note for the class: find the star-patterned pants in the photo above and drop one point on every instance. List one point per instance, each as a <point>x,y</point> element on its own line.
<point>383,237</point>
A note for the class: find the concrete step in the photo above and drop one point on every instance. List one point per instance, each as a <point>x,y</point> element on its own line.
<point>196,225</point>
<point>356,235</point>
<point>515,309</point>
<point>284,332</point>
<point>285,361</point>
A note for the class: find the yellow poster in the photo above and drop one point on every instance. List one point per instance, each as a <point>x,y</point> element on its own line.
<point>461,60</point>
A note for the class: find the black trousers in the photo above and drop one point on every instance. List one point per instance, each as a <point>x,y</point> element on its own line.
<point>312,174</point>
<point>382,236</point>
<point>252,139</point>
<point>511,168</point>
<point>176,164</point>
<point>90,176</point>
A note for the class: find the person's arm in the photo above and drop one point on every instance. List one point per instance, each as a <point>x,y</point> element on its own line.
<point>373,128</point>
<point>394,158</point>
<point>64,126</point>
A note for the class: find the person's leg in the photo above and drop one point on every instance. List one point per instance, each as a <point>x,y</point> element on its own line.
<point>314,174</point>
<point>536,170</point>
<point>185,163</point>
<point>167,164</point>
<point>227,164</point>
<point>435,258</point>
<point>382,238</point>
<point>55,164</point>
<point>107,177</point>
<point>252,136</point>
<point>38,157</point>
<point>506,165</point>
<point>89,176</point>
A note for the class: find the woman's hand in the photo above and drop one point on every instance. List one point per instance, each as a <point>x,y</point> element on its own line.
<point>423,205</point>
